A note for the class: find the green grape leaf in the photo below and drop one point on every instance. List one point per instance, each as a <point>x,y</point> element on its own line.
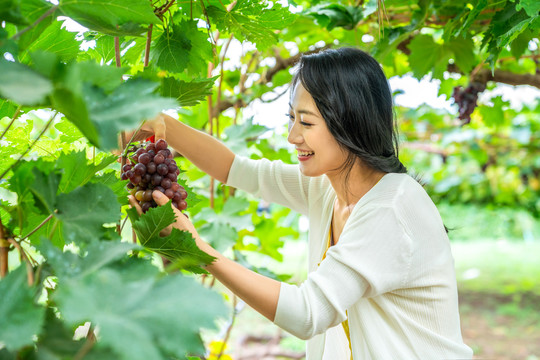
<point>336,15</point>
<point>10,11</point>
<point>182,46</point>
<point>55,341</point>
<point>242,260</point>
<point>171,51</point>
<point>187,93</point>
<point>77,171</point>
<point>21,317</point>
<point>140,316</point>
<point>221,227</point>
<point>84,211</point>
<point>426,55</point>
<point>119,17</point>
<point>7,109</point>
<point>238,136</point>
<point>118,186</point>
<point>56,40</point>
<point>23,85</point>
<point>44,188</point>
<point>178,246</point>
<point>532,7</point>
<point>192,198</point>
<point>463,50</point>
<point>253,20</point>
<point>97,255</point>
<point>69,132</point>
<point>33,10</point>
<point>125,108</point>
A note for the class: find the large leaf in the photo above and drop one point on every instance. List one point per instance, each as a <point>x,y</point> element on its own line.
<point>10,10</point>
<point>22,85</point>
<point>77,171</point>
<point>44,188</point>
<point>119,17</point>
<point>179,246</point>
<point>253,20</point>
<point>187,93</point>
<point>140,316</point>
<point>222,227</point>
<point>34,10</point>
<point>21,317</point>
<point>125,108</point>
<point>426,56</point>
<point>84,211</point>
<point>97,255</point>
<point>54,39</point>
<point>183,46</point>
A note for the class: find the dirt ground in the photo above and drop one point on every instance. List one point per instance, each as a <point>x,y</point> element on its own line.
<point>498,328</point>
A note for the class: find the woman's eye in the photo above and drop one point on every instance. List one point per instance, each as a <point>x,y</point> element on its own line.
<point>291,117</point>
<point>305,123</point>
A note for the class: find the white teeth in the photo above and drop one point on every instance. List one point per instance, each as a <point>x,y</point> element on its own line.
<point>305,153</point>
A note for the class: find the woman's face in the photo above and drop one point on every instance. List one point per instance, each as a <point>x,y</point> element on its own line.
<point>318,151</point>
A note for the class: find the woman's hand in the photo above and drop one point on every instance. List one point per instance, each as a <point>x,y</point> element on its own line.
<point>155,126</point>
<point>182,221</point>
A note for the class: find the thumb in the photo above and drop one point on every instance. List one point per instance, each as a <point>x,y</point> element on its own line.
<point>160,197</point>
<point>160,127</point>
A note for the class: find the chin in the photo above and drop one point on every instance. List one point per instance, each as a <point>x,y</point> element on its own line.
<point>307,172</point>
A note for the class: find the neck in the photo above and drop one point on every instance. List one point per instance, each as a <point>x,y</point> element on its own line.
<point>351,189</point>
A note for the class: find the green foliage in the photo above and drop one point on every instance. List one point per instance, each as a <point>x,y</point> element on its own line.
<point>21,318</point>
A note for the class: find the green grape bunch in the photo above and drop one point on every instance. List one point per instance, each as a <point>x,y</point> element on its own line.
<point>151,167</point>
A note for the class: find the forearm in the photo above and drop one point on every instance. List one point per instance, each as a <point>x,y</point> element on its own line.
<point>204,151</point>
<point>259,292</point>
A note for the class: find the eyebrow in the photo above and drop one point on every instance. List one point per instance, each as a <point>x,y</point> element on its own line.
<point>304,111</point>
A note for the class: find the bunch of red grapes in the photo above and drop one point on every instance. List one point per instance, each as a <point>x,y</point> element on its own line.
<point>151,168</point>
<point>466,99</point>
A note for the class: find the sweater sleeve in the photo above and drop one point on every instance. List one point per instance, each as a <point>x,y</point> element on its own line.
<point>372,257</point>
<point>273,181</point>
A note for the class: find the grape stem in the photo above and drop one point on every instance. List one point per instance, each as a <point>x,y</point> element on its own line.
<point>31,146</point>
<point>124,155</point>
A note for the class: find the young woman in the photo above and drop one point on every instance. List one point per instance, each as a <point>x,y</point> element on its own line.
<point>381,281</point>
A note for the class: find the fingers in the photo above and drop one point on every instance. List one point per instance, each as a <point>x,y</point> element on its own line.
<point>134,203</point>
<point>159,126</point>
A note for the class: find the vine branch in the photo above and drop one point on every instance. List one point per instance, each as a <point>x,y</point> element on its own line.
<point>15,116</point>
<point>40,19</point>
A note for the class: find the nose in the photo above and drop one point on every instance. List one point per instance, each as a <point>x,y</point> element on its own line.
<point>295,135</point>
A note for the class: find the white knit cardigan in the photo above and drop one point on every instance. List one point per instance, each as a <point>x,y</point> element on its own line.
<point>392,271</point>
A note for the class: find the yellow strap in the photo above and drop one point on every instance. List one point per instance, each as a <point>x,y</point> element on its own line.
<point>345,323</point>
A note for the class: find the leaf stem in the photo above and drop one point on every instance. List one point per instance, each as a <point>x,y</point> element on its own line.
<point>87,346</point>
<point>38,227</point>
<point>29,268</point>
<point>40,19</point>
<point>15,116</point>
<point>4,249</point>
<point>31,145</point>
<point>148,44</point>
<point>117,51</point>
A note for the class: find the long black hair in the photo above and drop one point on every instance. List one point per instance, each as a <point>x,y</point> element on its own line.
<point>354,98</point>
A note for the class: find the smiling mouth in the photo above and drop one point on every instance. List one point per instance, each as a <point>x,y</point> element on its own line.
<point>305,153</point>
